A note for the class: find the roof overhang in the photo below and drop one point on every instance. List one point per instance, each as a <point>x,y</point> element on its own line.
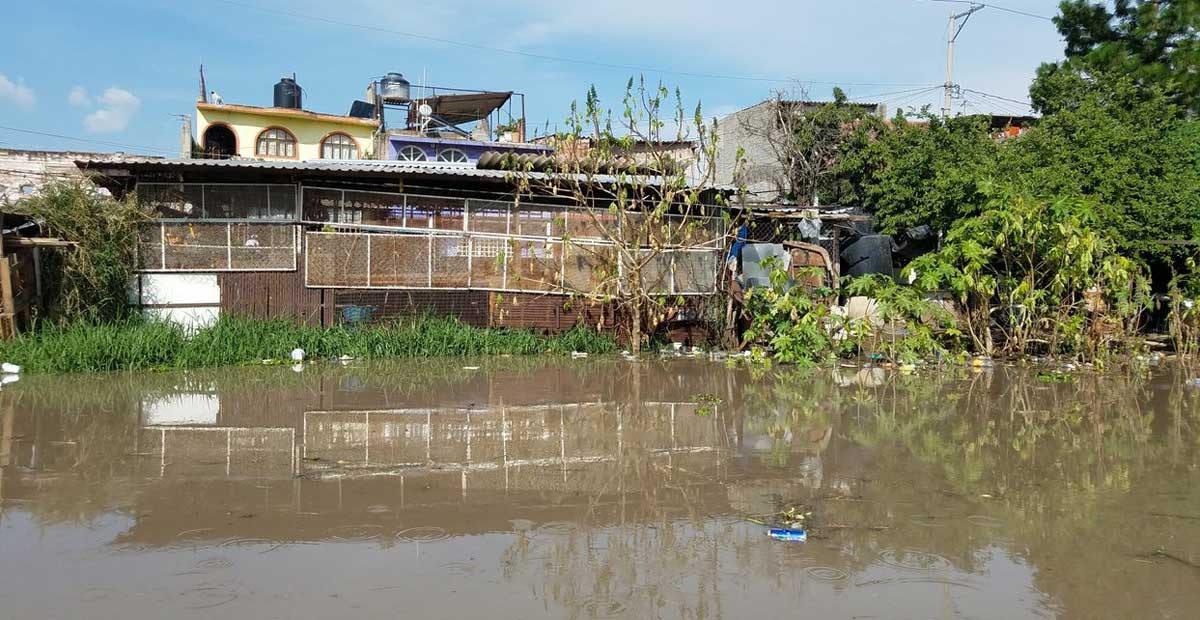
<point>123,174</point>
<point>288,113</point>
<point>461,109</point>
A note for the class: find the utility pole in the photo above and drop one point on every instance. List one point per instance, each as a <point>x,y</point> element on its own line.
<point>951,36</point>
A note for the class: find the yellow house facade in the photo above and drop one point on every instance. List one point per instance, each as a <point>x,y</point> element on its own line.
<point>249,132</point>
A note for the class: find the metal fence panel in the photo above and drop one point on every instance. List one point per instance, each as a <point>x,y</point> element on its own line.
<point>695,271</point>
<point>337,260</point>
<point>449,261</point>
<point>398,261</point>
<point>587,268</point>
<point>225,201</point>
<point>217,246</point>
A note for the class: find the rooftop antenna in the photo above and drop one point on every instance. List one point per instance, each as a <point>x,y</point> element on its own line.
<point>203,89</point>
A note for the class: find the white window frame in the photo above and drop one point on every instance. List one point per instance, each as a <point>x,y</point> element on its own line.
<point>445,153</point>
<point>409,149</point>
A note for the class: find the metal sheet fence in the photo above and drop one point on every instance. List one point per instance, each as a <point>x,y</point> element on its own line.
<point>217,246</point>
<point>440,260</point>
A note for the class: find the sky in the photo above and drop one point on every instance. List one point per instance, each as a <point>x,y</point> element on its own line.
<point>111,75</point>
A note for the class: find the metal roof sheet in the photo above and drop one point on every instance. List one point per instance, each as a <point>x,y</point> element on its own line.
<point>367,166</point>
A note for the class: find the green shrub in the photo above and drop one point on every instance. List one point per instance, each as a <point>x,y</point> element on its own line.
<point>1042,274</point>
<point>798,325</point>
<point>89,281</point>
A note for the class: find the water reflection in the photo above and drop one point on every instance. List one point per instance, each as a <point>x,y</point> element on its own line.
<point>601,488</point>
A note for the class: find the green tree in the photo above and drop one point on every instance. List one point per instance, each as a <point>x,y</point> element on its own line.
<point>1154,42</point>
<point>1042,271</point>
<point>920,170</point>
<point>1124,146</point>
<point>809,142</point>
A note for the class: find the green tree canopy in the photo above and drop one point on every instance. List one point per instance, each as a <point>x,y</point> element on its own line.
<point>1126,147</point>
<point>919,170</point>
<point>1154,42</point>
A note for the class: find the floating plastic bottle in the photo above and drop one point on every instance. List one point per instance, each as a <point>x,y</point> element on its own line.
<point>788,535</point>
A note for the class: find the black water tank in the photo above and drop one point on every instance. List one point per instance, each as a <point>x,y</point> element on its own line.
<point>288,94</point>
<point>869,254</point>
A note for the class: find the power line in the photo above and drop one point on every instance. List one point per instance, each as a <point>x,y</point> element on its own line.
<point>900,102</point>
<point>981,93</point>
<point>879,96</point>
<point>91,141</point>
<point>579,61</point>
<point>998,8</point>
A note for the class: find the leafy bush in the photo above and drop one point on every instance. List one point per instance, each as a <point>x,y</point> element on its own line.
<point>1041,272</point>
<point>87,282</point>
<point>1184,310</point>
<point>800,325</point>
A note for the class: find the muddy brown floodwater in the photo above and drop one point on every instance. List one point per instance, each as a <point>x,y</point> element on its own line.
<point>539,488</point>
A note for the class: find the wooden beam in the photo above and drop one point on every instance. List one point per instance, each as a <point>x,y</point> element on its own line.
<point>36,242</point>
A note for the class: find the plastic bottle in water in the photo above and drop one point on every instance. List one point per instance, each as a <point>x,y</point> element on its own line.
<point>788,535</point>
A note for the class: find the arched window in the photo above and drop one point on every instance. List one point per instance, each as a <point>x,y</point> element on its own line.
<point>339,146</point>
<point>219,142</point>
<point>452,156</point>
<point>411,153</point>
<point>276,142</point>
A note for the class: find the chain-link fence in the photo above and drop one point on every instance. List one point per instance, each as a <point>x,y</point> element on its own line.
<point>217,246</point>
<point>391,240</point>
<point>493,262</point>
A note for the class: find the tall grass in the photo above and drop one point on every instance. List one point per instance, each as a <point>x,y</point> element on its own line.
<point>141,345</point>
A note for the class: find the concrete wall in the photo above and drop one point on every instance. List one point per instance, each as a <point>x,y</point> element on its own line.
<point>308,127</point>
<point>23,173</point>
<point>763,176</point>
<point>192,300</point>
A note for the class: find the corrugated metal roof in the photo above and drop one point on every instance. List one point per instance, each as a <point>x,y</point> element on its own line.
<point>367,166</point>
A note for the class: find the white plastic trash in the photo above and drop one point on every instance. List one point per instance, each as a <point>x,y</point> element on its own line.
<point>7,379</point>
<point>297,355</point>
<point>11,369</point>
<point>578,355</point>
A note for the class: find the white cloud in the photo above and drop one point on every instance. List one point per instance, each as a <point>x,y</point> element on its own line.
<point>117,107</point>
<point>79,97</point>
<point>16,92</point>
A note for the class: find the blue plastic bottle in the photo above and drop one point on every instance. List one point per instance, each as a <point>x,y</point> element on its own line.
<point>788,535</point>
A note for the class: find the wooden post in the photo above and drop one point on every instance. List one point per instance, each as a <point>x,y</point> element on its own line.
<point>37,276</point>
<point>8,329</point>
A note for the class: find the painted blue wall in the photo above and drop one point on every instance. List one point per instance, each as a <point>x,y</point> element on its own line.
<point>472,148</point>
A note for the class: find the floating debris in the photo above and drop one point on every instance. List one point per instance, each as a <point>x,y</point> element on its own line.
<point>788,535</point>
